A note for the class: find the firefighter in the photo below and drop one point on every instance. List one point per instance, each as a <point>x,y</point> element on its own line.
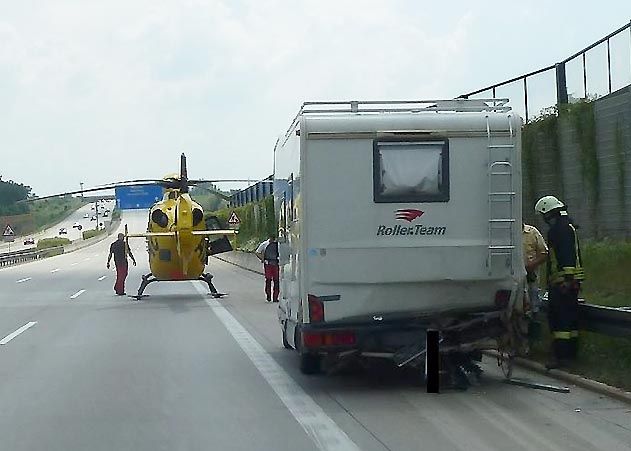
<point>565,273</point>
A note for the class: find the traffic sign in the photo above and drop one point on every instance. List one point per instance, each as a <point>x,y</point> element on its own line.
<point>8,231</point>
<point>234,220</point>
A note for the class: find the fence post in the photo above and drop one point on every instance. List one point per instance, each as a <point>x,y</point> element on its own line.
<point>561,84</point>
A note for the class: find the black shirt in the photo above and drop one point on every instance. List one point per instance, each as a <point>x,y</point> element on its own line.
<point>562,240</point>
<point>119,249</point>
<point>270,255</point>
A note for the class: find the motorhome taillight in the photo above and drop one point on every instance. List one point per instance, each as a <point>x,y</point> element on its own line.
<point>501,298</point>
<point>316,309</point>
<point>312,339</point>
<point>319,339</point>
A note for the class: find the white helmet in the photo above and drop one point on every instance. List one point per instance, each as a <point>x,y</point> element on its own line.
<point>547,204</point>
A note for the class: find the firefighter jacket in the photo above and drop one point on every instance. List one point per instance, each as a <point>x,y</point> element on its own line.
<point>564,256</point>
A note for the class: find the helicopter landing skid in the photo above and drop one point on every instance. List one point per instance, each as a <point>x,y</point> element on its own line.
<point>207,277</point>
<point>146,280</point>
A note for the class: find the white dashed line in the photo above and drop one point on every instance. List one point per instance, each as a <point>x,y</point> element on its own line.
<point>11,336</point>
<point>86,259</point>
<point>55,270</point>
<point>102,277</point>
<point>77,294</point>
<point>74,264</point>
<point>26,279</point>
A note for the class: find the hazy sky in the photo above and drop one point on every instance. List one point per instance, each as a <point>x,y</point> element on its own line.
<point>110,90</point>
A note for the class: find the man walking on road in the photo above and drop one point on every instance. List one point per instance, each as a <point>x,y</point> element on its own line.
<point>565,273</point>
<point>119,249</point>
<point>267,252</point>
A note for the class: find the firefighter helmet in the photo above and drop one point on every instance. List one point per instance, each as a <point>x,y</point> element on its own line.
<point>547,204</point>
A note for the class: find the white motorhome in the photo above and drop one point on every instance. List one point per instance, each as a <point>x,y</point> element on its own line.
<point>396,217</point>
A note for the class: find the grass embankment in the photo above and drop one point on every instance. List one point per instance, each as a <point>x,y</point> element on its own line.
<point>257,222</point>
<point>48,243</point>
<point>87,234</point>
<point>51,211</point>
<point>605,359</point>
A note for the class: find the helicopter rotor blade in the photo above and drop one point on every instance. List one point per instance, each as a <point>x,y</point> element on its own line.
<point>183,174</point>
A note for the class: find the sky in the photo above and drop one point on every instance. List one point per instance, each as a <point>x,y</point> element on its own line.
<point>103,91</point>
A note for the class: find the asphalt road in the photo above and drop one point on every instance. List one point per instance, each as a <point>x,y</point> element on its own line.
<point>180,371</point>
<point>53,231</point>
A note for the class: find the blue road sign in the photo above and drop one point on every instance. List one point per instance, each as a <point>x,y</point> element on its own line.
<point>134,197</point>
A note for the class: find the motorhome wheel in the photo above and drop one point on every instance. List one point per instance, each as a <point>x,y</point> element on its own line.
<point>310,363</point>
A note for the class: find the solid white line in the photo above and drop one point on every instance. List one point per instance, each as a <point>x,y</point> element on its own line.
<point>23,280</point>
<point>102,277</point>
<point>55,270</point>
<point>77,294</point>
<point>11,336</point>
<point>316,423</point>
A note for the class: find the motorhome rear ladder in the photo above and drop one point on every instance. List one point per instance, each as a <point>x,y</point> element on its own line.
<point>501,226</point>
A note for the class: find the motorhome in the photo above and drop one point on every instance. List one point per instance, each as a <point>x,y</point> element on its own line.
<point>394,218</point>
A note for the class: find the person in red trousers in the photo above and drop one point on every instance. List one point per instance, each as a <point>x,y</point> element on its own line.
<point>119,249</point>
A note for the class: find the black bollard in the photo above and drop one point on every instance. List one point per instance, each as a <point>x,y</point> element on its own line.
<point>432,358</point>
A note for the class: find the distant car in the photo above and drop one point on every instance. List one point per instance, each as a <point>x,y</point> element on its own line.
<point>105,214</point>
<point>63,231</point>
<point>93,218</point>
<point>28,241</point>
<point>86,215</point>
<point>77,226</point>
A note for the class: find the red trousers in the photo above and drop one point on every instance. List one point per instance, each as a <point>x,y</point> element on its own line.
<point>121,275</point>
<point>271,275</point>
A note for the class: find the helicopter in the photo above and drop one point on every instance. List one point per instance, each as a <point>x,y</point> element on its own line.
<point>179,238</point>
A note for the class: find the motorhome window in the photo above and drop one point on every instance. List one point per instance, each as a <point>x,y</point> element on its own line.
<point>411,171</point>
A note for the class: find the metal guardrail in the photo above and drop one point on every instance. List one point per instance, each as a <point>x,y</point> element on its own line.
<point>611,321</point>
<point>12,258</point>
<point>559,68</point>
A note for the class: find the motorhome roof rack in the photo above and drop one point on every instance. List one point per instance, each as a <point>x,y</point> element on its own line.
<point>401,106</point>
<point>411,106</point>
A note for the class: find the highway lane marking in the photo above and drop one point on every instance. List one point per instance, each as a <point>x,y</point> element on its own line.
<point>86,259</point>
<point>11,336</point>
<point>77,294</point>
<point>102,277</point>
<point>26,279</point>
<point>74,264</point>
<point>55,270</point>
<point>326,435</point>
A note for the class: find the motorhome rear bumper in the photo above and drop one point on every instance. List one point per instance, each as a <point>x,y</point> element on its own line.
<point>391,337</point>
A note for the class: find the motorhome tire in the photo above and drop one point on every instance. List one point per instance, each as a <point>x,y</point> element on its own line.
<point>285,342</point>
<point>310,363</point>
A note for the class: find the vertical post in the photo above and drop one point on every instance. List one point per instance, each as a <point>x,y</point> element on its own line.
<point>584,76</point>
<point>526,98</point>
<point>494,92</point>
<point>561,84</point>
<point>432,357</point>
<point>96,212</point>
<point>609,64</point>
<point>81,185</point>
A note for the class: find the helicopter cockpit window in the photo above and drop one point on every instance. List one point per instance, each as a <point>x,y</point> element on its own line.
<point>160,218</point>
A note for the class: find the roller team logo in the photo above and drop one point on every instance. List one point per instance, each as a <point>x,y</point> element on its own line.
<point>410,215</point>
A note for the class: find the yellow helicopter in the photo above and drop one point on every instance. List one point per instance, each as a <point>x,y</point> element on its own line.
<point>178,235</point>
